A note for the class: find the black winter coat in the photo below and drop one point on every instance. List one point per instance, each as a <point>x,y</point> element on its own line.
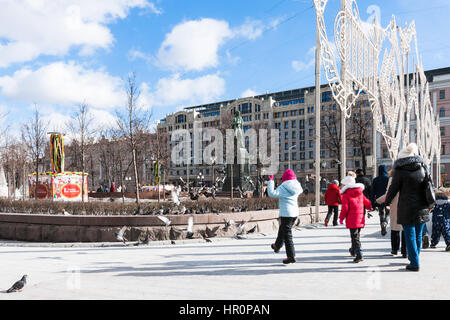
<point>408,180</point>
<point>379,184</point>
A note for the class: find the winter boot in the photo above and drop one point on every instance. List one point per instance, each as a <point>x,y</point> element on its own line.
<point>289,260</point>
<point>448,248</point>
<point>425,241</point>
<point>274,248</point>
<point>411,268</point>
<point>358,258</point>
<point>383,229</point>
<point>351,252</point>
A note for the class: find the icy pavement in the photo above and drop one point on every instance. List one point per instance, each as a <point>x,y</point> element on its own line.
<point>227,269</point>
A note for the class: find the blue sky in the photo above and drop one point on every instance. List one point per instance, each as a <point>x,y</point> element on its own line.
<point>58,54</point>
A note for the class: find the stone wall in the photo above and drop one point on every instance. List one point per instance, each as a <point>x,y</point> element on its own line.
<point>58,228</point>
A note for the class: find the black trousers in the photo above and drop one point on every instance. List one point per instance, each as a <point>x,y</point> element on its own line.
<point>384,213</point>
<point>285,236</point>
<point>395,241</point>
<point>356,243</point>
<point>332,209</point>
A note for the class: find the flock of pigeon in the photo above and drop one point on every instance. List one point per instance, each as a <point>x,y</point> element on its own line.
<point>206,235</point>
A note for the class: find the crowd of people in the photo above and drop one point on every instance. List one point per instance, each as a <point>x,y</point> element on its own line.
<point>399,196</point>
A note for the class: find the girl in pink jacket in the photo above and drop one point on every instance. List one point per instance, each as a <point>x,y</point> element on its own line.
<point>353,204</point>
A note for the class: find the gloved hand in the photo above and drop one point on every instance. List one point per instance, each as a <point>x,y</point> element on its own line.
<point>341,221</point>
<point>270,177</point>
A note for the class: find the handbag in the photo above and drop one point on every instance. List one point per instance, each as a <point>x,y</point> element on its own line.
<point>429,189</point>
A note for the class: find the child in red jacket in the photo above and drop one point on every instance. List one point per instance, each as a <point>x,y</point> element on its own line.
<point>333,199</point>
<point>353,204</point>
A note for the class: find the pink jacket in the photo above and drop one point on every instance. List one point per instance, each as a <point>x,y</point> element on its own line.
<point>353,203</point>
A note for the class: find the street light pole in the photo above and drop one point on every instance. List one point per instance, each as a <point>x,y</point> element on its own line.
<point>317,118</point>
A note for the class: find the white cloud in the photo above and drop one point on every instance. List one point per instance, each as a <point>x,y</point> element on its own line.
<point>250,29</point>
<point>134,54</point>
<point>193,45</point>
<point>30,28</point>
<point>174,90</point>
<point>65,84</point>
<point>248,93</point>
<point>304,65</point>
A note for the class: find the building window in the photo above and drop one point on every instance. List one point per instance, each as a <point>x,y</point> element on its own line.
<point>311,132</point>
<point>302,156</point>
<point>442,131</point>
<point>294,156</point>
<point>294,134</point>
<point>302,124</point>
<point>286,135</point>
<point>311,144</point>
<point>302,145</point>
<point>301,112</point>
<point>293,113</point>
<point>442,112</point>
<point>286,157</point>
<point>286,146</point>
<point>286,125</point>
<point>302,135</point>
<point>442,94</point>
<point>294,124</point>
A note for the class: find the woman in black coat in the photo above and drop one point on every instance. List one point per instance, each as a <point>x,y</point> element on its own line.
<point>413,211</point>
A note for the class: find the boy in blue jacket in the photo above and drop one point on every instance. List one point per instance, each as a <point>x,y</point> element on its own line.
<point>287,193</point>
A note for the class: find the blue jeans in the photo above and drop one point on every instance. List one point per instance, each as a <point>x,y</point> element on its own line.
<point>413,237</point>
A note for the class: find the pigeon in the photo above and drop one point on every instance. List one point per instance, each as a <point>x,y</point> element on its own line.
<point>228,224</point>
<point>240,228</point>
<point>150,212</point>
<point>252,229</point>
<point>182,210</point>
<point>214,211</point>
<point>190,232</point>
<point>175,196</point>
<point>119,235</point>
<point>240,237</point>
<point>66,213</point>
<point>18,286</point>
<point>211,233</point>
<point>168,211</point>
<point>146,240</point>
<point>161,210</point>
<point>165,220</point>
<point>138,211</point>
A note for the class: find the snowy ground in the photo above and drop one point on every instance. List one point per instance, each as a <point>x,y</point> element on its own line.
<point>227,269</point>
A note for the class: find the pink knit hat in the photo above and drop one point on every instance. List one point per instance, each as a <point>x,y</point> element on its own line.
<point>288,175</point>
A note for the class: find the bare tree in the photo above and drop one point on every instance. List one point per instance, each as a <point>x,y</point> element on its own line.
<point>133,123</point>
<point>34,136</point>
<point>331,135</point>
<point>81,129</point>
<point>360,133</point>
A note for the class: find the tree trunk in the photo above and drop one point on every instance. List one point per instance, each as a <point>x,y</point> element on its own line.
<point>37,179</point>
<point>136,179</point>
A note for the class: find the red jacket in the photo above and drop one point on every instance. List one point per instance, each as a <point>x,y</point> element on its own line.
<point>353,203</point>
<point>333,195</point>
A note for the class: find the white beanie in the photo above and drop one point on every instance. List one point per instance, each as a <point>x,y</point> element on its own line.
<point>409,151</point>
<point>348,180</point>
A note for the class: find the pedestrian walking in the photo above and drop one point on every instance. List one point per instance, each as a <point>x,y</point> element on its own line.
<point>413,209</point>
<point>287,193</point>
<point>352,211</point>
<point>441,220</point>
<point>333,199</point>
<point>113,187</point>
<point>379,187</point>
<point>361,178</point>
<point>397,233</point>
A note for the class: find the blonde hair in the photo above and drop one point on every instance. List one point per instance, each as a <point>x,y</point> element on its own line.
<point>351,174</point>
